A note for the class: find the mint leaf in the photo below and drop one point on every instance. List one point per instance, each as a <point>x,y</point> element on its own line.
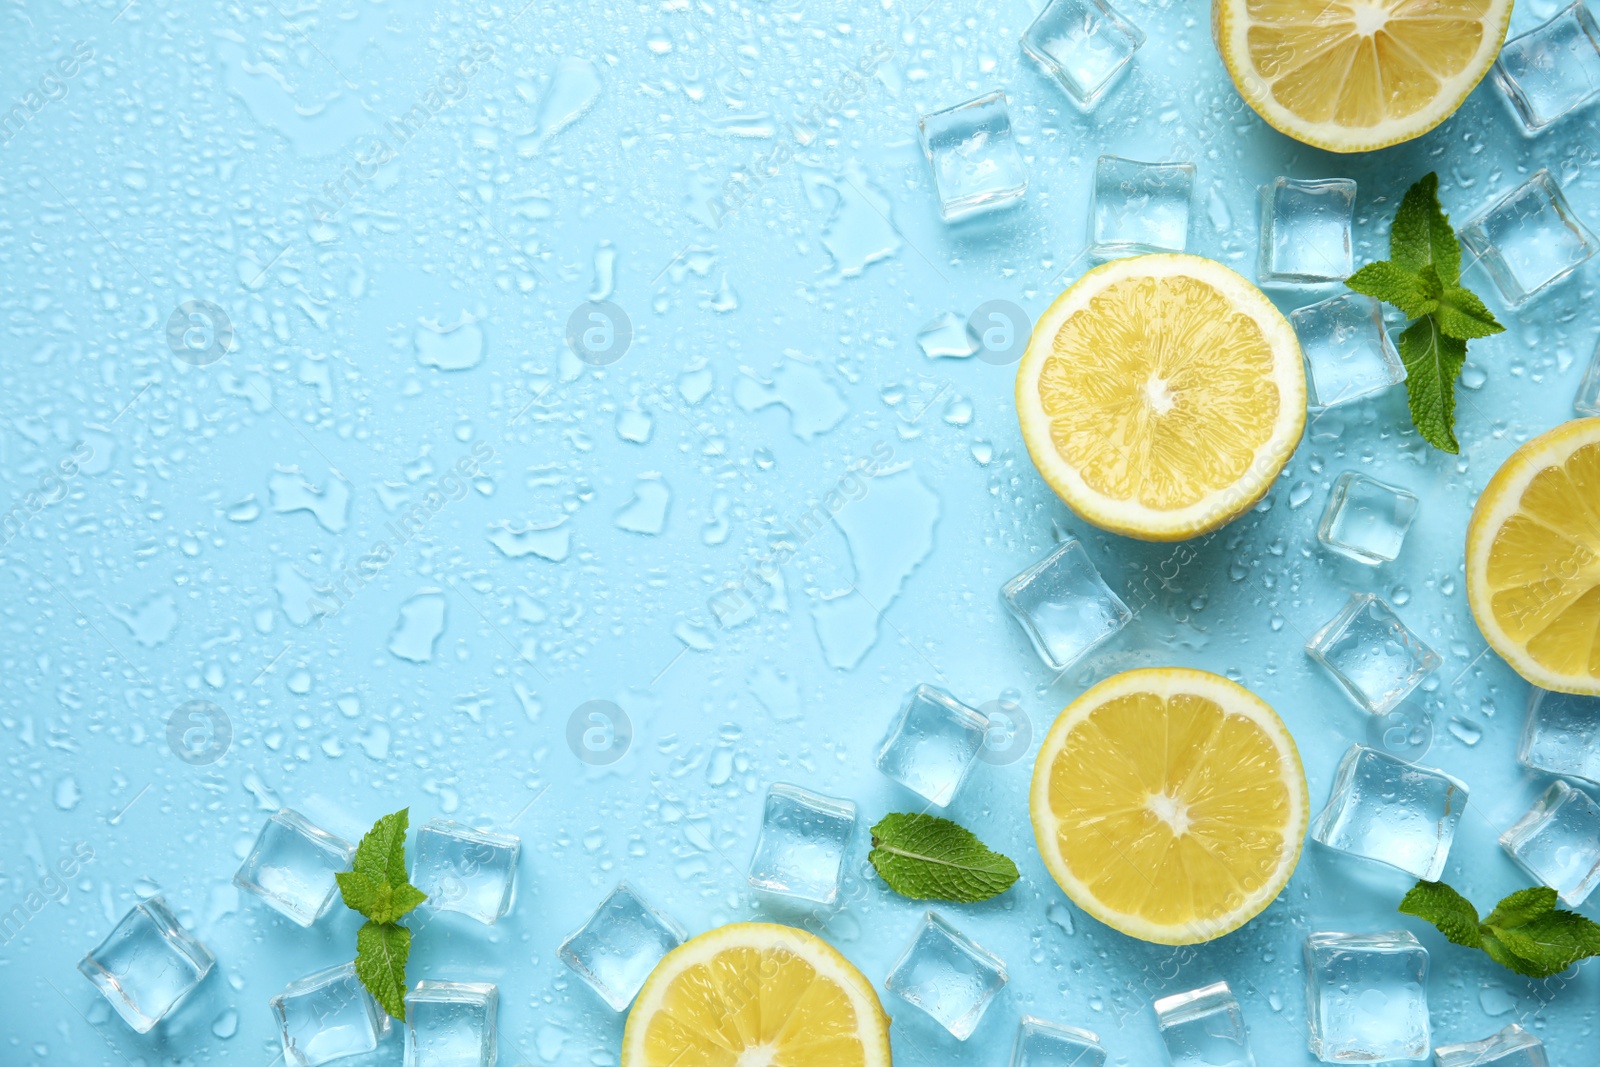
<point>395,902</point>
<point>1461,314</point>
<point>1393,284</point>
<point>381,855</point>
<point>1521,907</point>
<point>1442,906</point>
<point>1421,235</point>
<point>360,892</point>
<point>925,857</point>
<point>1524,933</point>
<point>1433,360</point>
<point>381,953</point>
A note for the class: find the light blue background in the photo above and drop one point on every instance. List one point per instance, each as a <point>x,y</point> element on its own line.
<point>767,356</point>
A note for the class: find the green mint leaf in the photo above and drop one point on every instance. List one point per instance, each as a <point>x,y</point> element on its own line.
<point>1383,280</point>
<point>1421,235</point>
<point>1461,314</point>
<point>1555,940</point>
<point>381,856</point>
<point>925,857</point>
<point>395,902</point>
<point>1433,360</point>
<point>1521,907</point>
<point>381,953</point>
<point>360,893</point>
<point>1442,906</point>
<point>1511,961</point>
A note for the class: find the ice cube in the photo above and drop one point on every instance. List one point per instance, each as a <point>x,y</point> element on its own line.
<point>932,744</point>
<point>1305,231</point>
<point>976,164</point>
<point>1558,842</point>
<point>801,848</point>
<point>947,975</point>
<point>1386,809</point>
<point>473,872</point>
<point>1510,1047</point>
<point>292,866</point>
<point>147,964</point>
<point>451,1024</point>
<point>1042,1044</point>
<point>1367,997</point>
<point>1587,402</point>
<point>619,945</point>
<point>1139,207</point>
<point>325,1016</point>
<point>1529,239</point>
<point>1064,606</point>
<point>1348,353</point>
<point>1561,735</point>
<point>1366,519</point>
<point>1371,654</point>
<point>1552,70</point>
<point>1084,45</point>
<point>1204,1028</point>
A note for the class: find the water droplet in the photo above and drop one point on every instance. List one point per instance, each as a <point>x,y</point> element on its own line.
<point>421,622</point>
<point>67,793</point>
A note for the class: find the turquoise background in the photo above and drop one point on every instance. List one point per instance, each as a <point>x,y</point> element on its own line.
<point>423,322</point>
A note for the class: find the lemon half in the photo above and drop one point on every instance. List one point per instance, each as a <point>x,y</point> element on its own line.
<point>756,995</point>
<point>1354,75</point>
<point>1533,559</point>
<point>1170,804</point>
<point>1160,396</point>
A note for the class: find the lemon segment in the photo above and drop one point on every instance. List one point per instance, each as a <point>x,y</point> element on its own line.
<point>1355,75</point>
<point>1161,395</point>
<point>1170,804</point>
<point>756,995</point>
<point>1533,559</point>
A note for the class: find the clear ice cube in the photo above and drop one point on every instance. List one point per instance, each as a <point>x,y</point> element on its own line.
<point>1561,735</point>
<point>1042,1044</point>
<point>932,743</point>
<point>947,975</point>
<point>1529,239</point>
<point>619,945</point>
<point>325,1016</point>
<point>1139,207</point>
<point>147,964</point>
<point>1367,997</point>
<point>802,844</point>
<point>1552,70</point>
<point>1348,353</point>
<point>1509,1047</point>
<point>1385,809</point>
<point>1558,842</point>
<point>1587,402</point>
<point>292,866</point>
<point>1064,606</point>
<point>451,1024</point>
<point>1366,519</point>
<point>1084,45</point>
<point>1371,654</point>
<point>976,164</point>
<point>1305,231</point>
<point>473,872</point>
<point>1204,1028</point>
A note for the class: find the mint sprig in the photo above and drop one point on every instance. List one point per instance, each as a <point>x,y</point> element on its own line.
<point>925,857</point>
<point>1422,277</point>
<point>1525,932</point>
<point>378,887</point>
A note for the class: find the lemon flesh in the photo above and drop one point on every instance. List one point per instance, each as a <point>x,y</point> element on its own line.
<point>1533,559</point>
<point>1161,395</point>
<point>756,995</point>
<point>1170,804</point>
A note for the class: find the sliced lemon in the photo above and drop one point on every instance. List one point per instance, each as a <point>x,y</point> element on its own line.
<point>756,995</point>
<point>1170,804</point>
<point>1354,75</point>
<point>1161,395</point>
<point>1533,559</point>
